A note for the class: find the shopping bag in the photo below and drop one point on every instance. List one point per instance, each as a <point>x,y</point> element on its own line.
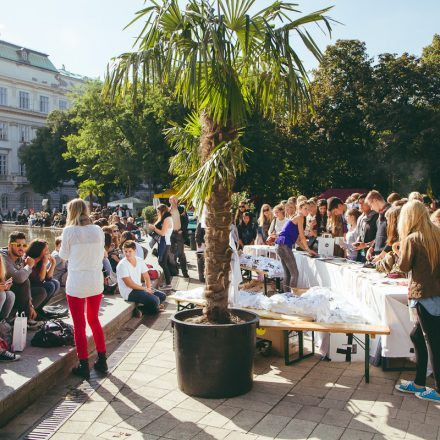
<point>20,332</point>
<point>326,246</point>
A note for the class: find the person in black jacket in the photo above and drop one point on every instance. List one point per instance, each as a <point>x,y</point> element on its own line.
<point>247,231</point>
<point>180,234</point>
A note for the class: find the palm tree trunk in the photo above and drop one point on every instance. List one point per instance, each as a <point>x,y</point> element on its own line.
<point>218,221</point>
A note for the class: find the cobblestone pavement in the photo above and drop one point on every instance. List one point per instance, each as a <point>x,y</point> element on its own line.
<point>312,399</point>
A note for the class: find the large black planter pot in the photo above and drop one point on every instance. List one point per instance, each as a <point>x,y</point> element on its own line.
<point>214,361</point>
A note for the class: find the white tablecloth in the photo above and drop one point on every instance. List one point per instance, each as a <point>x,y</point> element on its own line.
<point>384,297</point>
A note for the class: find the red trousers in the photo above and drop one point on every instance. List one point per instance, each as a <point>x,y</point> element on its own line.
<point>76,306</point>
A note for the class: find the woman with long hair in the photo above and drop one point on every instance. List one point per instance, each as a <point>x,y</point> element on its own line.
<point>278,222</point>
<point>419,253</point>
<point>321,216</point>
<point>392,217</point>
<point>264,221</point>
<point>83,246</point>
<point>43,269</point>
<point>292,232</point>
<point>164,228</point>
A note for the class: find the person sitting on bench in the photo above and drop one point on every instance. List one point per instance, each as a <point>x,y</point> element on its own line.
<point>130,272</point>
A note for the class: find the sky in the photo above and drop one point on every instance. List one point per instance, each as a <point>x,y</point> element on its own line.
<point>85,34</point>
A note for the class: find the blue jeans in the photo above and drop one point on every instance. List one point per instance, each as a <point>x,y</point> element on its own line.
<point>150,301</point>
<point>51,287</point>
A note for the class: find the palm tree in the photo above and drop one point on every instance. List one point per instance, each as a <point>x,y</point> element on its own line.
<point>223,61</point>
<point>89,188</point>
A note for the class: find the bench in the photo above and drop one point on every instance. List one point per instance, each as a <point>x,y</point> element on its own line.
<point>188,304</point>
<point>298,327</point>
<point>266,277</point>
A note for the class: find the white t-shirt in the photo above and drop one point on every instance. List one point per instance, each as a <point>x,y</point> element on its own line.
<point>126,269</point>
<point>83,247</point>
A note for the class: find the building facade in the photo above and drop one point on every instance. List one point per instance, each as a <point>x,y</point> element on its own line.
<point>30,88</point>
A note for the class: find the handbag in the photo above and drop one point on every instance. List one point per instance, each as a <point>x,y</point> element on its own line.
<point>20,332</point>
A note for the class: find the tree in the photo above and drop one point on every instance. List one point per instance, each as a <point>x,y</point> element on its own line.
<point>122,144</point>
<point>46,168</point>
<point>223,61</point>
<point>89,188</point>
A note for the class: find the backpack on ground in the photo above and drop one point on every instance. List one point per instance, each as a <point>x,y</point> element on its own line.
<point>55,333</point>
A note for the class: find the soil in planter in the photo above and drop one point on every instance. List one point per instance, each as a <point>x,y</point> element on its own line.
<point>234,319</point>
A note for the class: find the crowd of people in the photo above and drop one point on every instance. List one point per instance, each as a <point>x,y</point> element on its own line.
<point>394,234</point>
<point>97,253</point>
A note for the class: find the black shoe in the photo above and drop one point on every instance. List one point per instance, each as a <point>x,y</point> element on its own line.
<point>82,369</point>
<point>101,363</point>
<point>185,275</point>
<point>137,313</point>
<point>7,356</point>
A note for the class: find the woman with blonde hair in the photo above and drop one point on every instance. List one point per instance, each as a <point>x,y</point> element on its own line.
<point>83,246</point>
<point>264,221</point>
<point>419,254</point>
<point>278,222</point>
<point>290,210</point>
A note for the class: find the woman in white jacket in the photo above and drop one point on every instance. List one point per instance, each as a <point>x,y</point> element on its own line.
<point>83,246</point>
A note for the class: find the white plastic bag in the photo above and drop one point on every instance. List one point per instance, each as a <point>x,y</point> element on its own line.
<point>20,332</point>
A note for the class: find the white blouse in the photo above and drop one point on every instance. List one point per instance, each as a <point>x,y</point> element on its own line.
<point>83,247</point>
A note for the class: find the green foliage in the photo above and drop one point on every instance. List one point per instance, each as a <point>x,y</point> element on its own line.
<point>43,157</point>
<point>121,145</point>
<point>149,214</point>
<point>238,197</point>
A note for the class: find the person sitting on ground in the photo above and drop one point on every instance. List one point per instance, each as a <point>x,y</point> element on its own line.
<point>130,272</point>
<point>7,296</point>
<point>126,235</point>
<point>277,224</point>
<point>42,272</point>
<point>133,228</point>
<point>435,217</point>
<point>19,268</point>
<point>60,272</point>
<point>264,222</point>
<point>114,255</point>
<point>247,231</point>
<point>292,232</point>
<point>419,256</point>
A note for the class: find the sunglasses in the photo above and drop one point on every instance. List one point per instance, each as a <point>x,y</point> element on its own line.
<point>19,245</point>
<point>242,206</point>
<point>266,210</point>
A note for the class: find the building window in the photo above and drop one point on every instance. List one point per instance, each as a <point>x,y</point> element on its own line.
<point>22,169</point>
<point>3,164</point>
<point>4,202</point>
<point>3,131</point>
<point>63,104</point>
<point>44,104</point>
<point>24,133</point>
<point>26,201</point>
<point>24,100</point>
<point>3,96</point>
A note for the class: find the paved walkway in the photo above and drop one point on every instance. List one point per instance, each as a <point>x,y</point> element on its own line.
<point>312,399</point>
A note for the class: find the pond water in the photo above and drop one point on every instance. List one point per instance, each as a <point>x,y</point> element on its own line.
<point>45,233</point>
